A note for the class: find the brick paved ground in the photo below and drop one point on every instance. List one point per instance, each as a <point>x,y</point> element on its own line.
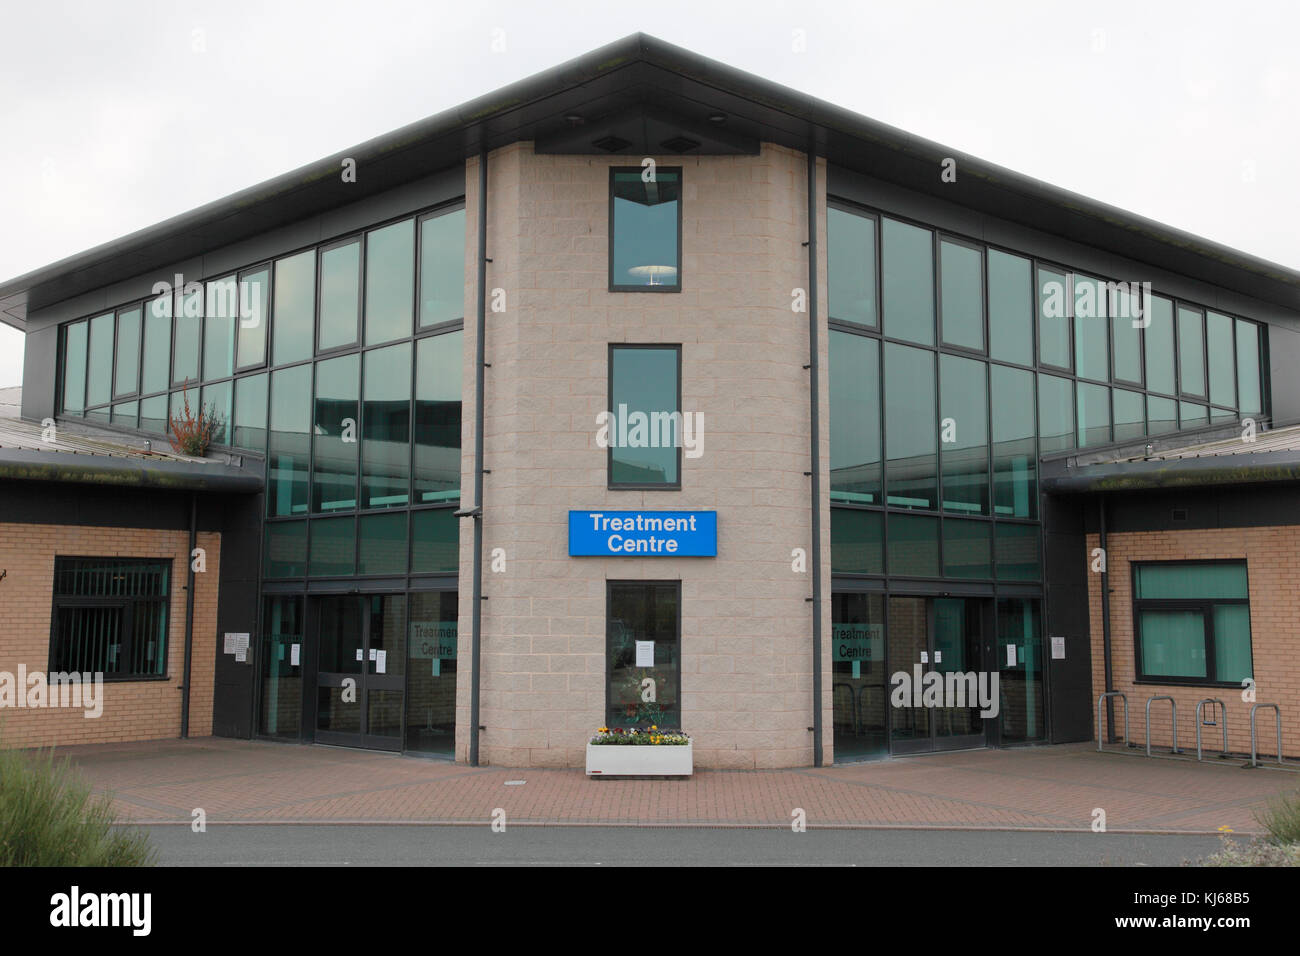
<point>1053,788</point>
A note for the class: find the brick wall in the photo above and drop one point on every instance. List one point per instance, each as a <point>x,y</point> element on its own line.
<point>745,646</point>
<point>137,710</point>
<point>1273,562</point>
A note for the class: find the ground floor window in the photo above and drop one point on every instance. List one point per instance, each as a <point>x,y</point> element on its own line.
<point>643,654</point>
<point>1020,657</point>
<point>1192,621</point>
<point>110,617</point>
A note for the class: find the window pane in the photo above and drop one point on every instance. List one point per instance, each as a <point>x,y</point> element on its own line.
<point>857,541</point>
<point>910,427</point>
<point>1021,713</point>
<point>859,679</point>
<point>153,414</point>
<point>383,544</point>
<point>437,418</point>
<point>1125,310</point>
<point>125,414</point>
<point>185,352</point>
<point>157,345</point>
<point>1014,457</point>
<point>1162,415</point>
<point>442,268</point>
<point>1173,643</point>
<point>643,612</point>
<point>913,545</point>
<point>1201,582</point>
<point>1090,354</point>
<point>74,367</point>
<point>333,547</point>
<point>431,673</point>
<point>644,229</point>
<point>386,427</point>
<point>290,441</point>
<point>855,417</point>
<point>295,307</point>
<point>1055,413</point>
<point>642,436</point>
<point>1232,657</point>
<point>126,379</point>
<point>1094,415</point>
<point>1191,352</point>
<point>1015,549</point>
<point>1191,415</point>
<point>254,317</point>
<point>1223,384</point>
<point>286,549</point>
<point>99,375</point>
<point>1053,318</point>
<point>963,435</point>
<point>334,478</point>
<point>1248,363</point>
<point>1159,340</point>
<point>907,266</point>
<point>340,291</point>
<point>435,541</point>
<point>1011,297</point>
<point>961,299</point>
<point>217,399</point>
<point>281,697</point>
<point>390,281</point>
<point>851,266</point>
<point>221,319</point>
<point>250,412</point>
<point>1130,419</point>
<point>967,549</point>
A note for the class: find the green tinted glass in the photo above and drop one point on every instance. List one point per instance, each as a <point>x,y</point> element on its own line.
<point>961,298</point>
<point>217,399</point>
<point>851,266</point>
<point>390,281</point>
<point>254,317</point>
<point>1091,359</point>
<point>435,541</point>
<point>1223,381</point>
<point>1159,342</point>
<point>295,307</point>
<point>1232,652</point>
<point>219,324</point>
<point>1173,643</point>
<point>335,434</point>
<point>1094,415</point>
<point>74,367</point>
<point>857,541</point>
<point>1014,456</point>
<point>643,439</point>
<point>1015,551</point>
<point>1011,308</point>
<point>333,547</point>
<point>250,412</point>
<point>286,549</point>
<point>1162,415</point>
<point>289,442</point>
<point>442,268</point>
<point>437,418</point>
<point>907,271</point>
<point>1202,582</point>
<point>1053,318</point>
<point>126,375</point>
<point>963,434</point>
<point>1126,332</point>
<point>156,374</point>
<point>1130,417</point>
<point>967,549</point>
<point>855,417</point>
<point>911,427</point>
<point>99,374</point>
<point>383,544</point>
<point>1191,352</point>
<point>386,418</point>
<point>1055,413</point>
<point>1248,365</point>
<point>340,292</point>
<point>913,545</point>
<point>644,229</point>
<point>187,329</point>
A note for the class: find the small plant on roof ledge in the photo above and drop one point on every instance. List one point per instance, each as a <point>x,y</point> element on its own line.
<point>191,433</point>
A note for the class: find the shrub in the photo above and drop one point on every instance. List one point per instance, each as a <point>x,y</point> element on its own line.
<point>191,433</point>
<point>1255,853</point>
<point>48,817</point>
<point>1281,818</point>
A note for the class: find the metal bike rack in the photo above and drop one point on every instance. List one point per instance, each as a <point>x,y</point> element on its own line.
<point>1277,713</point>
<point>1122,696</point>
<point>1174,704</point>
<point>1223,708</point>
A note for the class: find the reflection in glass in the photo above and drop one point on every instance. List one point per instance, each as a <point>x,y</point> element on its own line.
<point>961,300</point>
<point>386,421</point>
<point>334,475</point>
<point>1021,713</point>
<point>390,281</point>
<point>99,374</point>
<point>289,452</point>
<point>432,652</point>
<point>859,682</point>
<point>74,367</point>
<point>1191,352</point>
<point>907,272</point>
<point>126,378</point>
<point>442,268</point>
<point>219,325</point>
<point>340,295</point>
<point>1053,318</point>
<point>295,307</point>
<point>855,417</point>
<point>282,657</point>
<point>1159,335</point>
<point>910,427</point>
<point>963,438</point>
<point>437,418</point>
<point>1011,308</point>
<point>642,612</point>
<point>851,266</point>
<point>644,229</point>
<point>1014,459</point>
<point>643,389</point>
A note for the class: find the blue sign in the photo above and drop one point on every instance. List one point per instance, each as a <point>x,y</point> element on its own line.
<point>643,534</point>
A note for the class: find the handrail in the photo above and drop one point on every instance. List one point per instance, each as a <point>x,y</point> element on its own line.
<point>1122,696</point>
<point>1224,711</point>
<point>1277,713</point>
<point>1174,704</point>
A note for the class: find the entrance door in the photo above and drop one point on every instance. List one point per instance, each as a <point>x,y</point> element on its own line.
<point>940,636</point>
<point>359,682</point>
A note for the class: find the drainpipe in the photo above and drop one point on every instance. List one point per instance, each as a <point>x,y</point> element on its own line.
<point>815,445</point>
<point>189,616</point>
<point>1105,618</point>
<point>475,627</point>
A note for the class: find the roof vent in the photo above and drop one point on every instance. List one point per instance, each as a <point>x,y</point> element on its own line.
<point>612,144</point>
<point>680,144</point>
<point>1179,514</point>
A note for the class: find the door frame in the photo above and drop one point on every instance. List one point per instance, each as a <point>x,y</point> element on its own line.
<point>366,682</point>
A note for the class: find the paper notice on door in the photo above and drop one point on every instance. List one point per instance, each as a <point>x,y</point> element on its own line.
<point>295,652</point>
<point>1011,655</point>
<point>1058,648</point>
<point>925,657</point>
<point>241,647</point>
<point>380,660</point>
<point>938,657</point>
<point>645,653</point>
<point>229,647</point>
<point>358,653</point>
<point>372,653</point>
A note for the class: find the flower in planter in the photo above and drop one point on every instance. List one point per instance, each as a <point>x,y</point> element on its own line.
<point>640,737</point>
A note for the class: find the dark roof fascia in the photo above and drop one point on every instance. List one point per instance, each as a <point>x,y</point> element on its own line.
<point>636,68</point>
<point>22,464</point>
<point>1214,471</point>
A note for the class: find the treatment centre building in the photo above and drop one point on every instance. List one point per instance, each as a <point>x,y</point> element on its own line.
<point>645,392</point>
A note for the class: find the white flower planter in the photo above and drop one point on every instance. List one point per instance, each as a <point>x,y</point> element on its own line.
<point>622,760</point>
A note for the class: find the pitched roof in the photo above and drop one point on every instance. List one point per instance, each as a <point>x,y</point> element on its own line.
<point>714,105</point>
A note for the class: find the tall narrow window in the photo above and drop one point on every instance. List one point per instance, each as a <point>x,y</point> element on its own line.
<point>187,329</point>
<point>220,319</point>
<point>1090,321</point>
<point>1055,413</point>
<point>99,375</point>
<point>645,222</point>
<point>1248,365</point>
<point>442,268</point>
<point>437,419</point>
<point>907,273</point>
<point>1159,345</point>
<point>964,435</point>
<point>386,430</point>
<point>911,466</point>
<point>74,368</point>
<point>289,444</point>
<point>340,295</point>
<point>644,420</point>
<point>335,435</point>
<point>1126,321</point>
<point>1015,494</point>
<point>390,281</point>
<point>1011,308</point>
<point>643,647</point>
<point>1223,381</point>
<point>1053,318</point>
<point>126,373</point>
<point>855,418</point>
<point>254,317</point>
<point>155,376</point>
<point>295,306</point>
<point>961,295</point>
<point>851,266</point>
<point>1191,352</point>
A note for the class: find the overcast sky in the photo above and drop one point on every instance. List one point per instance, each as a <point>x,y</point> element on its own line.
<point>119,115</point>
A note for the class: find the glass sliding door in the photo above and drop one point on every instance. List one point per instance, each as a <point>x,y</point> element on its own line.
<point>361,652</point>
<point>909,724</point>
